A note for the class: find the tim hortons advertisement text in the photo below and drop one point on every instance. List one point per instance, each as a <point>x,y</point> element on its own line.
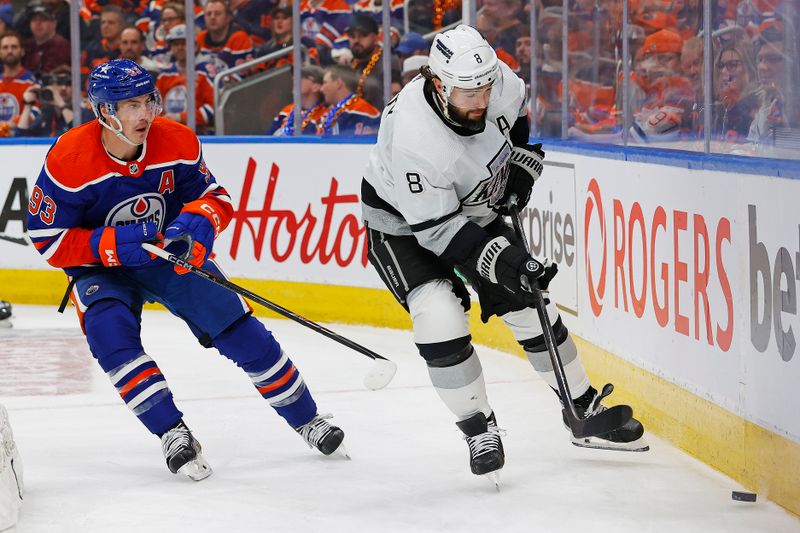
<point>337,235</point>
<point>665,264</point>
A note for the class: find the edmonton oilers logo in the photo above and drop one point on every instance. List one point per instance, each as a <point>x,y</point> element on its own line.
<point>176,100</point>
<point>148,207</point>
<point>9,108</point>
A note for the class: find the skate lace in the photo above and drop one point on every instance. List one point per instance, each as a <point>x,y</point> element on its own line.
<point>316,430</point>
<point>485,442</point>
<point>175,439</point>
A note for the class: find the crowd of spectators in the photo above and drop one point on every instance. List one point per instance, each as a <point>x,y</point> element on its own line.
<point>755,103</point>
<point>754,62</point>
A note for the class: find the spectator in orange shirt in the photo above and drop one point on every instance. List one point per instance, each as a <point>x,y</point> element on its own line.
<point>668,97</point>
<point>14,82</point>
<point>222,37</point>
<point>46,49</point>
<point>171,83</point>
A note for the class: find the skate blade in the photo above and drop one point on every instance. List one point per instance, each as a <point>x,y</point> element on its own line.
<point>595,443</point>
<point>197,469</point>
<point>494,478</point>
<point>342,451</point>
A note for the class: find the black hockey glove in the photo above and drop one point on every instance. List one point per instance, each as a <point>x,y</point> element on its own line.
<point>524,169</point>
<point>509,266</point>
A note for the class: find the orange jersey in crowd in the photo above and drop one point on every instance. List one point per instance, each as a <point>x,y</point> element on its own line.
<point>171,83</point>
<point>128,6</point>
<point>235,49</point>
<point>11,90</point>
<point>324,23</point>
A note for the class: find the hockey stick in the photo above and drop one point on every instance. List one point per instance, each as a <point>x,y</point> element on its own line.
<point>596,424</point>
<point>379,375</point>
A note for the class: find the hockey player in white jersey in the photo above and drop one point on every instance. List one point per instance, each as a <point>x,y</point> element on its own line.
<point>452,149</point>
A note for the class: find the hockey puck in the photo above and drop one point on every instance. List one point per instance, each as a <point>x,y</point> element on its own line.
<point>743,496</point>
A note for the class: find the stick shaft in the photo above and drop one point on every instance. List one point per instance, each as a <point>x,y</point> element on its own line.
<point>160,252</point>
<point>547,328</point>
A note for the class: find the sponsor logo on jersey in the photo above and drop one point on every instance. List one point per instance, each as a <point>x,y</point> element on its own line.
<point>92,289</point>
<point>148,207</point>
<point>9,107</point>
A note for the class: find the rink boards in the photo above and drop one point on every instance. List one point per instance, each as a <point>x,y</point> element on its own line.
<point>679,276</point>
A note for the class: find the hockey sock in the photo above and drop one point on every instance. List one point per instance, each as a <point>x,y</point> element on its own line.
<point>253,348</point>
<point>528,332</point>
<point>113,334</point>
<point>458,377</point>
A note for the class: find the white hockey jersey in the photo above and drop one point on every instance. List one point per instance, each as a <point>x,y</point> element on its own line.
<point>431,178</point>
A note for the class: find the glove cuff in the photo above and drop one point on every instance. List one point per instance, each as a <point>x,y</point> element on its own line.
<point>106,246</point>
<point>526,158</point>
<point>487,258</point>
<point>208,210</point>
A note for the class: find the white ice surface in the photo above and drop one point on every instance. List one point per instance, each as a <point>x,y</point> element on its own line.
<point>91,467</point>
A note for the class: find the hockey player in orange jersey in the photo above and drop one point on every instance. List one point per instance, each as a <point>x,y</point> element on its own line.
<point>119,181</point>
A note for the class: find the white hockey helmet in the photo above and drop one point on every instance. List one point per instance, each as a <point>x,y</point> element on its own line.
<point>461,58</point>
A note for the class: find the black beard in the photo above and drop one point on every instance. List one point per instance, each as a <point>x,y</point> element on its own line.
<point>9,63</point>
<point>462,120</point>
<point>362,54</point>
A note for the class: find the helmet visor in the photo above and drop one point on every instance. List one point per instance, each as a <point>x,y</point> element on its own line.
<point>470,99</point>
<point>136,108</point>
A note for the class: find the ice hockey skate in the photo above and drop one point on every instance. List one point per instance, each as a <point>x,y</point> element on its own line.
<point>5,314</point>
<point>628,438</point>
<point>319,434</point>
<point>486,455</point>
<point>182,452</point>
